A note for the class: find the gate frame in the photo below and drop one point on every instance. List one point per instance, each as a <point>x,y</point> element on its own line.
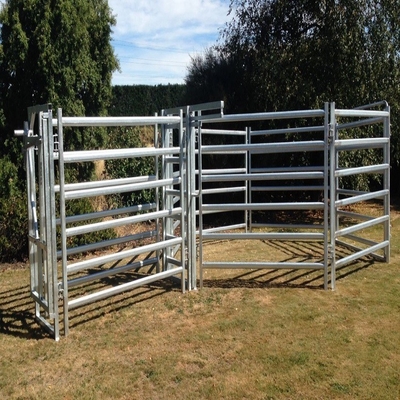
<point>188,121</point>
<point>331,171</point>
<point>42,234</point>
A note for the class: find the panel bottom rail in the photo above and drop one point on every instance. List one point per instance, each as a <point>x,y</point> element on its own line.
<point>262,265</point>
<point>362,253</point>
<point>90,298</point>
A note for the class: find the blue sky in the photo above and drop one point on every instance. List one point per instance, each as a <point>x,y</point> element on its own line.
<point>155,39</point>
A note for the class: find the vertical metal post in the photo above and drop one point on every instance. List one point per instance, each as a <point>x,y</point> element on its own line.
<point>386,183</point>
<point>182,170</point>
<point>247,199</point>
<point>327,140</point>
<point>249,182</point>
<point>33,231</point>
<point>51,240</point>
<point>200,180</point>
<point>191,198</point>
<point>42,215</point>
<point>165,143</point>
<point>333,193</point>
<point>157,196</point>
<point>63,224</point>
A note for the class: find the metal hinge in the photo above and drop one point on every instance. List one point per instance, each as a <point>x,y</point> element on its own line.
<point>60,291</point>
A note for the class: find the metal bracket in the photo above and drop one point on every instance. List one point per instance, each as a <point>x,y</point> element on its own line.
<point>32,141</point>
<point>330,252</point>
<point>331,132</point>
<point>60,291</point>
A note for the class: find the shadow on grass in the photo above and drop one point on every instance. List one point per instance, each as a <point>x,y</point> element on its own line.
<point>17,308</point>
<point>122,301</point>
<point>299,278</point>
<point>17,314</point>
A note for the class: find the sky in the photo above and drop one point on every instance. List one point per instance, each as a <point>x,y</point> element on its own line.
<point>154,40</point>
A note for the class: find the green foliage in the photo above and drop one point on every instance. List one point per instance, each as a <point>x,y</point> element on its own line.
<point>84,206</point>
<point>145,99</point>
<point>290,54</point>
<point>51,51</point>
<point>13,214</point>
<point>129,167</point>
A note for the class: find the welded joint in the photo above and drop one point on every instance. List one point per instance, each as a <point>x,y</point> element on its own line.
<point>330,252</point>
<point>60,291</point>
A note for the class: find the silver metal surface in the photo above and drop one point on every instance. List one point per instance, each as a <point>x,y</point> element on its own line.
<point>186,189</point>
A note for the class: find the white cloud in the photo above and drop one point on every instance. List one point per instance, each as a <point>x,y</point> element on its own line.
<point>154,39</point>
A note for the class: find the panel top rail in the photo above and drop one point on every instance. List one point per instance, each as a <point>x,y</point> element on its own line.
<point>117,121</point>
<point>114,154</point>
<point>361,113</point>
<point>262,116</point>
<point>371,105</point>
<point>223,132</point>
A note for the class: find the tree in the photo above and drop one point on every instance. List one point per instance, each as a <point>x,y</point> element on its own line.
<point>51,51</point>
<point>58,52</point>
<point>291,54</point>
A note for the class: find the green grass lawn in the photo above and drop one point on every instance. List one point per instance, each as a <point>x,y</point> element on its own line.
<point>246,335</point>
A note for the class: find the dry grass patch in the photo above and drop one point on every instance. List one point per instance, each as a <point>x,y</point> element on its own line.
<point>247,334</point>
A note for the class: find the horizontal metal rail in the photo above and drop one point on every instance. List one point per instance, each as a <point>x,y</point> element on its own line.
<point>266,148</point>
<point>263,236</point>
<point>116,121</point>
<point>354,215</point>
<point>360,226</point>
<point>233,189</point>
<point>361,253</point>
<point>81,301</point>
<point>359,239</point>
<point>224,171</point>
<point>173,160</point>
<point>263,176</point>
<point>40,300</point>
<point>115,154</point>
<point>214,105</point>
<point>287,226</point>
<point>148,248</point>
<point>80,230</point>
<point>285,188</point>
<point>356,248</point>
<point>173,192</point>
<point>288,169</point>
<point>112,271</point>
<point>383,103</point>
<point>358,144</point>
<point>356,124</point>
<point>265,265</point>
<point>78,194</point>
<point>361,113</point>
<point>303,129</point>
<point>108,213</point>
<point>105,183</point>
<point>225,132</point>
<point>363,197</point>
<point>350,192</point>
<point>369,169</point>
<point>225,228</point>
<point>264,206</point>
<point>263,116</point>
<point>108,243</point>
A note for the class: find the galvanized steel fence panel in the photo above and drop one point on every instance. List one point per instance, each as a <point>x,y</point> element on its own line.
<point>191,173</point>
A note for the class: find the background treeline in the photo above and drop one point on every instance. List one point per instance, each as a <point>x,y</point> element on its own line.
<point>290,54</point>
<point>145,99</point>
<point>272,55</point>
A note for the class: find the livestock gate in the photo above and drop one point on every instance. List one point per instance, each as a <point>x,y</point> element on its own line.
<point>286,174</point>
